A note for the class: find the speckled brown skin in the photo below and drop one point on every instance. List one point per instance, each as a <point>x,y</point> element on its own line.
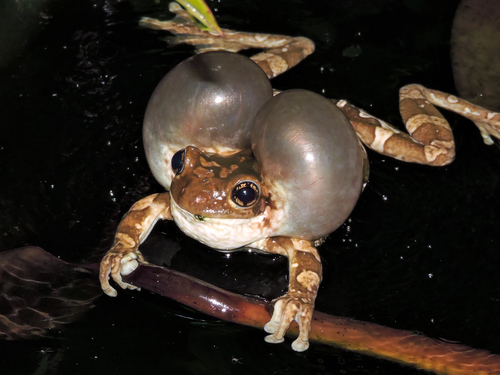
<point>205,185</point>
<point>132,231</point>
<point>298,304</point>
<point>429,141</point>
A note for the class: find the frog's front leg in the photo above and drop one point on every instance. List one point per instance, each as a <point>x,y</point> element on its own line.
<point>124,256</point>
<point>280,52</point>
<point>304,278</point>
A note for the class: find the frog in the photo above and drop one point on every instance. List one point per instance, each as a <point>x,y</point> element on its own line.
<point>251,167</point>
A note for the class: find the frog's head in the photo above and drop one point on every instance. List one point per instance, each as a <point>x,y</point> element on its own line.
<point>226,148</point>
<point>217,186</point>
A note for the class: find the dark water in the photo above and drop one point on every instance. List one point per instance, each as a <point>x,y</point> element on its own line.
<point>420,251</point>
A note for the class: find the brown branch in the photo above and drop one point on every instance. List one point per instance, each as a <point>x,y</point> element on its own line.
<point>25,269</point>
<point>401,346</point>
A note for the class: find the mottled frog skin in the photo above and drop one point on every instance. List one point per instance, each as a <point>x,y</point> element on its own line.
<point>221,201</point>
<point>245,169</point>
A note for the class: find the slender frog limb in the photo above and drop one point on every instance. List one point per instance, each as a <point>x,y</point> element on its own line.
<point>280,52</point>
<point>305,273</point>
<point>430,140</point>
<point>124,256</point>
<point>488,122</point>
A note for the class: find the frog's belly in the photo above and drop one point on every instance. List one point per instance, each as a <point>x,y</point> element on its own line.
<point>222,234</point>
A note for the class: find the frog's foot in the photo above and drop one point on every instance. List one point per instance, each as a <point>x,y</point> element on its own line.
<point>187,32</point>
<point>287,309</point>
<point>117,262</point>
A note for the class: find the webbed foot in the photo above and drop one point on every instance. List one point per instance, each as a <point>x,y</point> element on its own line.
<point>117,262</point>
<point>287,309</point>
<point>187,32</point>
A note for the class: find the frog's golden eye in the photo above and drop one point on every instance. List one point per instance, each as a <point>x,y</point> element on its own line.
<point>245,193</point>
<point>178,161</point>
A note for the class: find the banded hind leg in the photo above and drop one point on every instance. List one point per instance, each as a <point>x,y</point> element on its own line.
<point>429,139</point>
<point>280,52</point>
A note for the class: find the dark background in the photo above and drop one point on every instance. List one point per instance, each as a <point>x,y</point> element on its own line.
<point>420,251</point>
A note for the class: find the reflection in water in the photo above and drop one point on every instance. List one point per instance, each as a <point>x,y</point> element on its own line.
<point>40,293</point>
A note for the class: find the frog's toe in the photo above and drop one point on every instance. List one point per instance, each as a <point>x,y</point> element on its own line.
<point>300,345</point>
<point>272,339</point>
<point>286,310</point>
<point>115,264</point>
<point>129,264</point>
<point>107,288</point>
<point>118,279</point>
<point>273,325</point>
<point>104,273</point>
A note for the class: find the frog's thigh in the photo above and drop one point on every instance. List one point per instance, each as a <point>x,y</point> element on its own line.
<point>430,140</point>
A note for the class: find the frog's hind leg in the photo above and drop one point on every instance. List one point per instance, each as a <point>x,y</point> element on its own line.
<point>430,139</point>
<point>280,52</point>
<point>488,122</point>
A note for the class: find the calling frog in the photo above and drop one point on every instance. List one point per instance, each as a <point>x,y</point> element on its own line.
<point>248,167</point>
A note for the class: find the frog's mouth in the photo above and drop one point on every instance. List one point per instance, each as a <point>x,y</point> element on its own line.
<point>220,233</point>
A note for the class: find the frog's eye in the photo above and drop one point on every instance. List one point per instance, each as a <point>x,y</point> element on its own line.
<point>245,193</point>
<point>178,161</point>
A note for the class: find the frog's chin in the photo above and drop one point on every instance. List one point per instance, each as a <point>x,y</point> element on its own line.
<point>219,233</point>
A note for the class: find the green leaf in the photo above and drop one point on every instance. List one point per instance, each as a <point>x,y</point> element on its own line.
<point>200,11</point>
